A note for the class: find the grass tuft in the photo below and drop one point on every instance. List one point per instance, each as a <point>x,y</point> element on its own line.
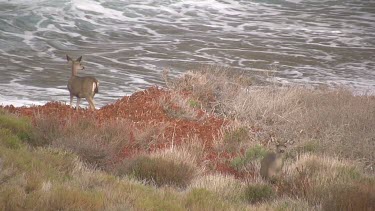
<point>255,193</point>
<point>353,196</point>
<point>159,171</point>
<point>202,199</point>
<point>21,127</point>
<point>315,178</point>
<point>9,139</point>
<point>227,187</point>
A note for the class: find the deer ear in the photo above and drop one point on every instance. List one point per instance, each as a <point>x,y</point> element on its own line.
<point>79,59</point>
<point>68,58</point>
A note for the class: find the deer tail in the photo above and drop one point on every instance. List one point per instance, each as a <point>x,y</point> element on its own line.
<point>95,86</point>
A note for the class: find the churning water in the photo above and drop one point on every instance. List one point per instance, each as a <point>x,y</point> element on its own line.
<point>127,43</point>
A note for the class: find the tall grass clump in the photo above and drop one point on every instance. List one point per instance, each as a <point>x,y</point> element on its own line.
<point>317,179</point>
<point>9,139</point>
<point>47,129</point>
<point>255,193</point>
<point>209,85</point>
<point>95,143</point>
<point>158,171</point>
<point>19,126</point>
<point>225,186</point>
<point>357,195</point>
<point>179,107</point>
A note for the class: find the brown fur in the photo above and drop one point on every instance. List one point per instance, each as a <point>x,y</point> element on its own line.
<point>81,87</point>
<point>273,162</point>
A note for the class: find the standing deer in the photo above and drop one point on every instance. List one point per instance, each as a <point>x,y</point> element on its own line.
<point>273,162</point>
<point>81,87</point>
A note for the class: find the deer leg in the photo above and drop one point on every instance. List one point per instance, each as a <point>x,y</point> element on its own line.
<point>71,100</point>
<point>91,102</point>
<point>78,102</point>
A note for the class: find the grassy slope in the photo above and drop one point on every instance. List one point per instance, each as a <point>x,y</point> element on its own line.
<point>46,166</point>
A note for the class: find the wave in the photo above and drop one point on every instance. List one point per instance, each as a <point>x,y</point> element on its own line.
<point>127,44</point>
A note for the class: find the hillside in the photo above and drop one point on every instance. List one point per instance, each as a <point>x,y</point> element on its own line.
<point>194,145</point>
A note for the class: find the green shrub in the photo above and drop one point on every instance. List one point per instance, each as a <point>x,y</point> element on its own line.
<point>257,152</point>
<point>19,126</point>
<point>254,153</point>
<point>9,139</point>
<point>254,193</point>
<point>159,171</point>
<point>193,103</point>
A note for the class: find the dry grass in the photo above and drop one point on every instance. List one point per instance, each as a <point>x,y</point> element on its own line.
<point>158,171</point>
<point>95,144</point>
<point>234,138</point>
<point>179,155</point>
<point>318,179</point>
<point>210,84</point>
<point>255,193</point>
<point>202,199</point>
<point>177,106</point>
<point>223,185</point>
<point>333,119</point>
<point>352,196</point>
<point>50,179</point>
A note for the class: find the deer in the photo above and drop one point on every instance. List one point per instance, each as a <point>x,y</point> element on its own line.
<point>81,87</point>
<point>273,162</point>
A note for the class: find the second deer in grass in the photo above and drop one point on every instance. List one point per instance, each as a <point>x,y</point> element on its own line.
<point>81,87</point>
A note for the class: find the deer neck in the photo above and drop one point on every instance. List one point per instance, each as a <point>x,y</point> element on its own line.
<point>74,71</point>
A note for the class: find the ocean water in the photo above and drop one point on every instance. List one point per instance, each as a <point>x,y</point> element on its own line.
<point>126,44</point>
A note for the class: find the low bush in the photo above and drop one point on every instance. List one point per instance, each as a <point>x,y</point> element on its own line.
<point>9,139</point>
<point>179,107</point>
<point>47,129</point>
<point>254,193</point>
<point>254,153</point>
<point>95,144</point>
<point>210,86</point>
<point>319,178</point>
<point>354,196</point>
<point>21,127</point>
<point>159,171</point>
